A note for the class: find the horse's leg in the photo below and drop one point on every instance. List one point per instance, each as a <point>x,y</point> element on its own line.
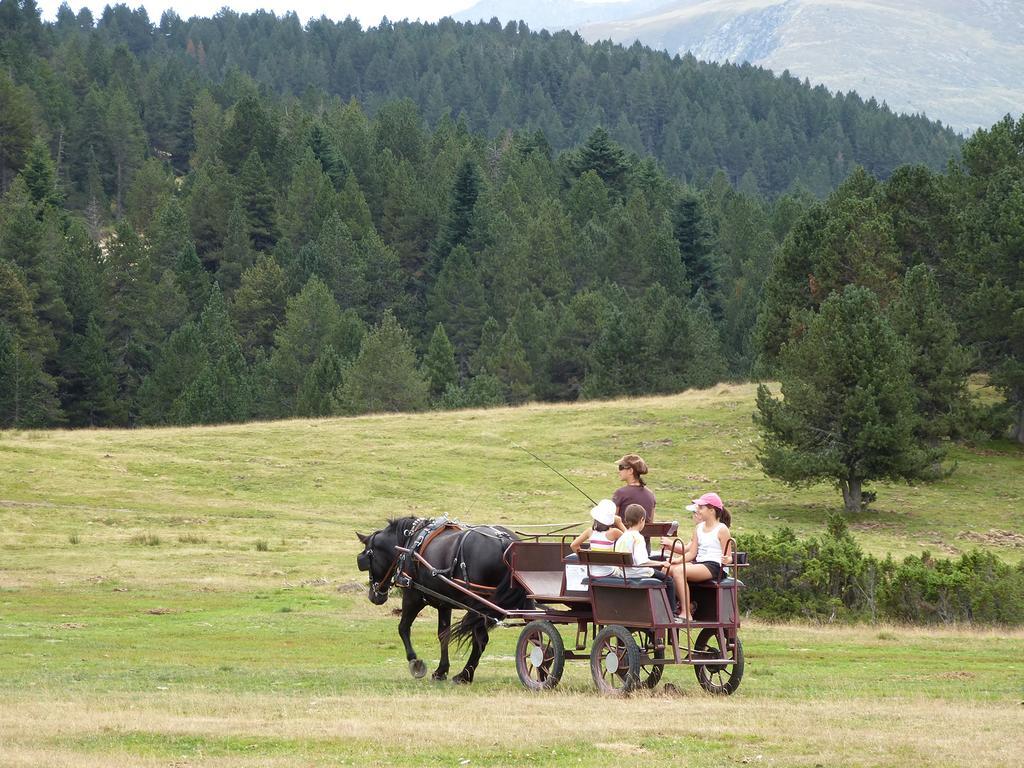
<point>444,623</point>
<point>412,604</point>
<point>480,638</point>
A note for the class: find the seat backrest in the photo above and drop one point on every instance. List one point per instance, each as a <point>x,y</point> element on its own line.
<point>661,529</point>
<point>537,555</point>
<point>600,557</point>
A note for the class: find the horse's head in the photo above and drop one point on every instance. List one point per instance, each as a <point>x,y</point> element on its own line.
<point>380,558</point>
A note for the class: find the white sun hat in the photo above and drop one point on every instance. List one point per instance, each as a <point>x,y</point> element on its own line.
<point>604,512</point>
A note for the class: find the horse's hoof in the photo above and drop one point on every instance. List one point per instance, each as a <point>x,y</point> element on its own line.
<point>417,668</point>
<point>439,676</point>
<point>462,679</point>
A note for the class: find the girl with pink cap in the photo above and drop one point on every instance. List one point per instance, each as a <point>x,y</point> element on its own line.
<point>706,549</point>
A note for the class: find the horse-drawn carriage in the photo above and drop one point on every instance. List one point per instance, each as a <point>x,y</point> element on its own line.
<point>542,585</point>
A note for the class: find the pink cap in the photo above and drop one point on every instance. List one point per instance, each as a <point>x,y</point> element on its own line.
<point>711,500</point>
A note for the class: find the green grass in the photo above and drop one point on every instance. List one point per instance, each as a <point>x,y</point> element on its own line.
<point>190,596</point>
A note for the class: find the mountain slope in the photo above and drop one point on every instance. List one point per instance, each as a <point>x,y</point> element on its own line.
<point>959,62</point>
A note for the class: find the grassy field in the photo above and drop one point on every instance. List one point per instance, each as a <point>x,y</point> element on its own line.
<point>190,597</point>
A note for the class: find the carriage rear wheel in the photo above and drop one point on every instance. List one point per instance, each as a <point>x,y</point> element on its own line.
<point>615,661</point>
<point>540,656</point>
<point>718,678</point>
<point>650,674</point>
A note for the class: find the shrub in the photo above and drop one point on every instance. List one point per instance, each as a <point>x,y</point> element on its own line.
<point>830,579</point>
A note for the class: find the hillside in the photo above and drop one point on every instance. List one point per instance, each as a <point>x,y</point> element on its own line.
<point>694,118</point>
<point>191,597</point>
<point>312,483</point>
<point>958,62</point>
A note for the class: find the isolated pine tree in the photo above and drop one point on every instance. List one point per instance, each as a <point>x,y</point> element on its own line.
<point>848,414</point>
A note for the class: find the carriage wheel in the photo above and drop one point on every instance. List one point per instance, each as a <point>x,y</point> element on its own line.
<point>650,674</point>
<point>615,661</point>
<point>718,679</point>
<point>540,656</point>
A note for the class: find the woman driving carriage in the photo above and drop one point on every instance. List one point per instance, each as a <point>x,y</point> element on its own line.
<point>634,490</point>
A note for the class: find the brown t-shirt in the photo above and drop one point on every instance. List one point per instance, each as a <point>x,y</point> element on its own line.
<point>634,494</point>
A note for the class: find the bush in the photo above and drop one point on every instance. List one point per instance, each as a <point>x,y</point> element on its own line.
<point>830,579</point>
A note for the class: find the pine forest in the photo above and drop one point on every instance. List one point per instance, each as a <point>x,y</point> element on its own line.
<point>244,217</point>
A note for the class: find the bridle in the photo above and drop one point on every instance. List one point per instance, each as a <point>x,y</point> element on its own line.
<point>383,586</point>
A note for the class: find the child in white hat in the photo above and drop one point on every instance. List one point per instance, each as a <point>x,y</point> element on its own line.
<point>601,535</point>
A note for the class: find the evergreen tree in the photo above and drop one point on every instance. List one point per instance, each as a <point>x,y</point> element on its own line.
<point>258,200</point>
<point>605,158</point>
<point>848,413</point>
<point>15,127</point>
<point>90,384</point>
<point>193,280</point>
<point>385,377</point>
<point>259,305</point>
<point>464,194</point>
<point>28,395</point>
<point>180,361</point>
<point>988,258</point>
<point>126,140</point>
<point>847,240</point>
<point>486,352</point>
<point>457,300</point>
<point>938,364</point>
<point>439,367</point>
<point>309,202</point>
<point>235,257</point>
<point>150,188</point>
<point>317,395</point>
<point>210,202</point>
<point>313,321</point>
<point>708,365</point>
<point>249,130</point>
<point>40,175</point>
<point>690,231</point>
<point>509,364</point>
<point>354,210</point>
<point>169,235</point>
<point>385,283</point>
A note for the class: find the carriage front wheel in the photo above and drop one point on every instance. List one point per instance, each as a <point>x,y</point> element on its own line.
<point>615,661</point>
<point>718,678</point>
<point>540,656</point>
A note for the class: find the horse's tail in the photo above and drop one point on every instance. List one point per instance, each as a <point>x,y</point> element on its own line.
<point>478,622</point>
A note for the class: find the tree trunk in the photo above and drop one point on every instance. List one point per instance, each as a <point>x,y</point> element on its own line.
<point>851,494</point>
<point>120,212</point>
<point>1018,428</point>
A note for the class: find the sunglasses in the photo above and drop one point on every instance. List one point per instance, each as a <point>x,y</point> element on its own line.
<point>624,466</point>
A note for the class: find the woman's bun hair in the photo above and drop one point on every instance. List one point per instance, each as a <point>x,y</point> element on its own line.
<point>639,465</point>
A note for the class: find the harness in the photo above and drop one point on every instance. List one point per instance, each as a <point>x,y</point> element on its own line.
<point>416,540</point>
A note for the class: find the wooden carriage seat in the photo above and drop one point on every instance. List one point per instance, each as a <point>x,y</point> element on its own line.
<point>538,567</point>
<point>631,601</point>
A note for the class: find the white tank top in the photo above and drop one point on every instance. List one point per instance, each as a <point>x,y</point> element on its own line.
<point>709,548</point>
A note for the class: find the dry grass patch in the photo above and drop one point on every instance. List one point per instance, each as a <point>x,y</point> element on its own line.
<point>855,733</point>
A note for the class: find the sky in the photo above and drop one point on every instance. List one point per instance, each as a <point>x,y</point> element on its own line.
<point>369,12</point>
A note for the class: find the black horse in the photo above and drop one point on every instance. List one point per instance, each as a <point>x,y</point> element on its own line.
<point>472,556</point>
